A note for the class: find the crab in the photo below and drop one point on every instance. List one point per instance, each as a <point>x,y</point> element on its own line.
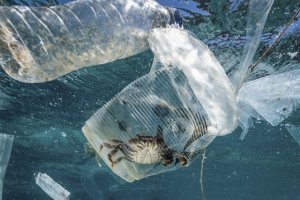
<point>145,150</point>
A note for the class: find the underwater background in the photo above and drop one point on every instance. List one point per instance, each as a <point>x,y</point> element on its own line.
<point>46,120</point>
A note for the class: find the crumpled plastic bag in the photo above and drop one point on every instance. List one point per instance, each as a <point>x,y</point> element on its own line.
<point>164,119</point>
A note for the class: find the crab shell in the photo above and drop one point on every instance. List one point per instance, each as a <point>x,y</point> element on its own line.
<point>147,150</point>
<point>141,150</point>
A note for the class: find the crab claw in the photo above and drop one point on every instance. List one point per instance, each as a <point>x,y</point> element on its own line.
<point>167,162</point>
<point>181,159</point>
<point>110,160</point>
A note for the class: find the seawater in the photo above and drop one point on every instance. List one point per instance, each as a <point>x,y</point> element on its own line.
<point>46,120</point>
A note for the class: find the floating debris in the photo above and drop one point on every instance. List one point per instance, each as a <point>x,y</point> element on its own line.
<point>166,120</point>
<point>39,44</point>
<point>53,189</point>
<point>294,131</point>
<point>5,150</point>
<point>258,12</point>
<point>273,97</point>
<point>6,142</point>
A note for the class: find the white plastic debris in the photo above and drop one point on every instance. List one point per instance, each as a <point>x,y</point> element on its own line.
<point>258,12</point>
<point>206,77</point>
<point>53,189</point>
<point>292,54</point>
<point>294,131</point>
<point>272,97</point>
<point>5,150</point>
<point>39,44</point>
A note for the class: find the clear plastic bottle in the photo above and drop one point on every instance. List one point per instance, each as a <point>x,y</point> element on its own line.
<point>39,44</point>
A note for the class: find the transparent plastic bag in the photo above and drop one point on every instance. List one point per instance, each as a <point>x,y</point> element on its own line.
<point>154,125</point>
<point>273,97</point>
<point>39,44</point>
<point>164,119</point>
<point>5,150</point>
<point>258,12</point>
<point>213,89</point>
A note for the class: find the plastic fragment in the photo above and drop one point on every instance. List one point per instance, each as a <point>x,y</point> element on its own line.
<point>258,11</point>
<point>6,142</point>
<point>245,115</point>
<point>294,131</point>
<point>53,189</point>
<point>272,97</point>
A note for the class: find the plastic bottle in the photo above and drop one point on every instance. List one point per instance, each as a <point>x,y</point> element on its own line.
<point>39,44</point>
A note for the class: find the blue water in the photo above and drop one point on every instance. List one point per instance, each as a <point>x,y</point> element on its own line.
<point>46,120</point>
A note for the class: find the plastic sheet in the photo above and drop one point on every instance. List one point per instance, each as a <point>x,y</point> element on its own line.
<point>39,44</point>
<point>294,131</point>
<point>176,47</point>
<point>273,97</point>
<point>257,15</point>
<point>53,189</point>
<point>245,119</point>
<point>5,149</point>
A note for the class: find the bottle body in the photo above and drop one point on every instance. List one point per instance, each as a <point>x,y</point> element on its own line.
<point>43,43</point>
